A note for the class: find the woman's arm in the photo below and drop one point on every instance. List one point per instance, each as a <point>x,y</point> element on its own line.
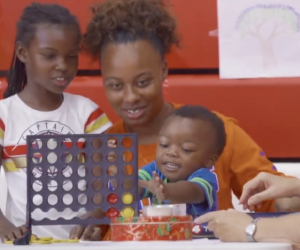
<point>230,226</point>
<point>282,229</point>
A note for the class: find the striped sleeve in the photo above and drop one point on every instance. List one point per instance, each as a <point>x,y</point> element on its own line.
<point>145,173</point>
<point>207,181</point>
<point>2,130</point>
<point>97,122</point>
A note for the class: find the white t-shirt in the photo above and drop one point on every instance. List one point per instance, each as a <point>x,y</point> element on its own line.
<point>76,115</point>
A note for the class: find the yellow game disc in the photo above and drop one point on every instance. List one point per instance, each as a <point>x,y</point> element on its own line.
<point>41,242</point>
<point>33,237</point>
<point>55,241</point>
<point>8,242</point>
<point>44,242</point>
<point>127,198</point>
<point>46,238</point>
<point>127,212</point>
<point>73,241</point>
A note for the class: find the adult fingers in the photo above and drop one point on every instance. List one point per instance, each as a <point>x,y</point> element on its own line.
<point>231,210</point>
<point>248,190</point>
<point>96,234</point>
<point>87,232</point>
<point>262,196</point>
<point>254,186</point>
<point>211,226</point>
<point>76,232</point>
<point>206,217</point>
<point>72,233</point>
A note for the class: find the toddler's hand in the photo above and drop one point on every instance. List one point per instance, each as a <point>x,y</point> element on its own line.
<point>156,186</point>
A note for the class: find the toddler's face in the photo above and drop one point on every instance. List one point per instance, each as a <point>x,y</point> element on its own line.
<point>185,145</point>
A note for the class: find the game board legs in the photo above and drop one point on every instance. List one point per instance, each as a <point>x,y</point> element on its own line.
<point>24,240</point>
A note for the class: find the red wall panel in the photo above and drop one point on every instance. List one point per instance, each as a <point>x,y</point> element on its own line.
<point>195,19</point>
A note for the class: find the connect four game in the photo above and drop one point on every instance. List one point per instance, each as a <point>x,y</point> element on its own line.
<point>88,179</point>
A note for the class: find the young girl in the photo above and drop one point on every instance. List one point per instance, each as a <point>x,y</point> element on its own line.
<point>44,63</point>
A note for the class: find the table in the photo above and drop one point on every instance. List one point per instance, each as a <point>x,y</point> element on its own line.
<point>201,244</point>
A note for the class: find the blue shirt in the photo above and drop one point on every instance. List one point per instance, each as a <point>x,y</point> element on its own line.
<point>202,177</point>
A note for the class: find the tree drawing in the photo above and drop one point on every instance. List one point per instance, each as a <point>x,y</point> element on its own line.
<point>265,22</point>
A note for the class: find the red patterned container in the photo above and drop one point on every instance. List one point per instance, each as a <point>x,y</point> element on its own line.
<point>151,228</point>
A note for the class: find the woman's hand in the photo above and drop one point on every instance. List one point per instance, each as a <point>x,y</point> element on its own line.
<point>267,187</point>
<point>228,226</point>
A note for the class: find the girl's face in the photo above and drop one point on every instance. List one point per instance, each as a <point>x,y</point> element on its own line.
<point>133,74</point>
<point>51,57</point>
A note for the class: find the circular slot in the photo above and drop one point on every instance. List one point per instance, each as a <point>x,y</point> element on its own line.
<point>97,171</point>
<point>97,199</point>
<point>112,198</point>
<point>97,157</point>
<point>127,198</point>
<point>37,144</point>
<point>127,142</point>
<point>127,184</point>
<point>51,144</point>
<point>97,185</point>
<point>97,143</point>
<point>127,170</point>
<point>112,170</point>
<point>112,142</point>
<point>127,156</point>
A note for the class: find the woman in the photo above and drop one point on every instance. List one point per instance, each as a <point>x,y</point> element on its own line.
<point>131,39</point>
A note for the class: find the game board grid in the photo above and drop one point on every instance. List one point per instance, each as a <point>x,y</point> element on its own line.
<point>75,178</point>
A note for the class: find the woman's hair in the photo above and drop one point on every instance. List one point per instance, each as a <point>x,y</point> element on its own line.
<point>122,21</point>
<point>32,16</point>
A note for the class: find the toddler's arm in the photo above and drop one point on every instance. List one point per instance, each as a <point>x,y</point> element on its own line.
<point>200,187</point>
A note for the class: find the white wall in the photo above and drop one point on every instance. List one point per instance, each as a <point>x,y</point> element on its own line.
<point>287,168</point>
<point>292,169</point>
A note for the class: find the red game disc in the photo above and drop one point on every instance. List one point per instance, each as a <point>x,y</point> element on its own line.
<point>112,198</point>
<point>112,212</point>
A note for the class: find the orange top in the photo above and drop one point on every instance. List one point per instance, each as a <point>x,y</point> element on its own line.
<point>241,160</point>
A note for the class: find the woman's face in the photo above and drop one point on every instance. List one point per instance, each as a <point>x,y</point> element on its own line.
<point>133,74</point>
